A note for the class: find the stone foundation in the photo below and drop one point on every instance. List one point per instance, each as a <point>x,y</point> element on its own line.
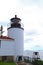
<point>0,58</point>
<point>6,58</point>
<point>10,58</point>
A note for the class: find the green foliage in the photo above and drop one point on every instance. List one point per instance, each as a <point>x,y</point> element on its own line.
<point>7,63</point>
<point>41,62</point>
<point>37,62</point>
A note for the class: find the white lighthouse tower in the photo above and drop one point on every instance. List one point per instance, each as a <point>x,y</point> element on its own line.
<point>16,31</point>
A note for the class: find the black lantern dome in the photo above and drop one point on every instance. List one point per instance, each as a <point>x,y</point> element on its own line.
<point>16,19</point>
<point>16,23</point>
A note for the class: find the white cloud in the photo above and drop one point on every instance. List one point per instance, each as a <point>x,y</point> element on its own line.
<point>34,21</point>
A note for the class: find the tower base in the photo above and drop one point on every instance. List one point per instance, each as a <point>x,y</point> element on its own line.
<point>18,58</point>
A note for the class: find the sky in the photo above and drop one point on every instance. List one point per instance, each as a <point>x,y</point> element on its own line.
<point>31,14</point>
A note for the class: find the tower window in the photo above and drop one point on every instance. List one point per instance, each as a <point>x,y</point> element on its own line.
<point>35,53</point>
<point>16,25</point>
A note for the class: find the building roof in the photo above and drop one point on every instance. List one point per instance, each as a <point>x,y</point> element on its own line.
<point>6,38</point>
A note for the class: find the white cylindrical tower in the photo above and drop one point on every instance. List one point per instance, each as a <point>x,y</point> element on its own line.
<point>16,31</point>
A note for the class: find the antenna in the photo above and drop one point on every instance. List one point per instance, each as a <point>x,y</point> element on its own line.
<point>1,29</point>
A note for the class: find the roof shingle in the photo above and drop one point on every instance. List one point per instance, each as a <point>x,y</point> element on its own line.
<point>6,37</point>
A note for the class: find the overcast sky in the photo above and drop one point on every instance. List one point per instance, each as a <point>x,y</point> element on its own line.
<point>31,13</point>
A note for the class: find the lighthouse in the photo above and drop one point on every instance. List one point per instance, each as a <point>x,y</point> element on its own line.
<point>16,31</point>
